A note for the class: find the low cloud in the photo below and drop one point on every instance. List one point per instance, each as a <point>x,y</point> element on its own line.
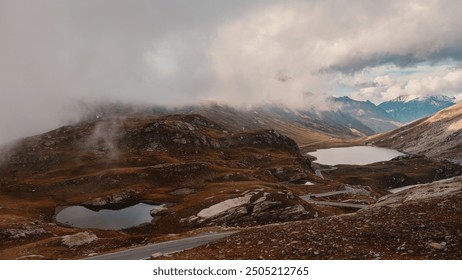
<point>56,53</point>
<point>103,140</point>
<point>386,88</point>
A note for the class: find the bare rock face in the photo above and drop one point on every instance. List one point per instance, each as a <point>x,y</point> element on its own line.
<point>159,210</point>
<point>252,206</point>
<point>114,198</point>
<point>422,192</point>
<point>79,239</point>
<point>23,232</point>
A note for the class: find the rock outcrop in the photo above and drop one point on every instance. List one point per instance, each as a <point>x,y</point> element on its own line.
<point>422,222</point>
<point>115,198</point>
<point>24,231</point>
<point>78,239</point>
<point>251,207</point>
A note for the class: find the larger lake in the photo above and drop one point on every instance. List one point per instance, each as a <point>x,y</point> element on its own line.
<point>82,217</point>
<point>357,155</point>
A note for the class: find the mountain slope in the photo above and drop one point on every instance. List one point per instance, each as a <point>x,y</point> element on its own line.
<point>439,136</point>
<point>337,119</point>
<point>406,109</point>
<point>367,113</point>
<point>204,173</point>
<point>187,162</point>
<point>420,223</point>
<point>283,120</point>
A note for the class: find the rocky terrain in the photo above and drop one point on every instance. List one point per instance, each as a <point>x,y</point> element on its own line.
<point>438,136</point>
<point>200,175</point>
<point>335,119</point>
<point>401,171</point>
<point>422,222</point>
<point>205,174</point>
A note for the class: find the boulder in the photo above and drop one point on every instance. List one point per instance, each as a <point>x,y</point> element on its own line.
<point>436,246</point>
<point>159,210</point>
<point>78,239</point>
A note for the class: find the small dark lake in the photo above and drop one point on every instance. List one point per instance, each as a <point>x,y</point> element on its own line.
<point>83,217</point>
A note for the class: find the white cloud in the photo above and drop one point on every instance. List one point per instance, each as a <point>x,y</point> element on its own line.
<point>312,41</point>
<point>448,83</point>
<point>384,81</point>
<point>458,97</point>
<point>54,52</point>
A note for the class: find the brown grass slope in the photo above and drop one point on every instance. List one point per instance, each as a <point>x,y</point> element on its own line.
<point>187,161</point>
<point>420,223</point>
<point>438,136</point>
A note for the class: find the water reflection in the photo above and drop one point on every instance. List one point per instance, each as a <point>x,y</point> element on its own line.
<point>357,155</point>
<point>82,217</point>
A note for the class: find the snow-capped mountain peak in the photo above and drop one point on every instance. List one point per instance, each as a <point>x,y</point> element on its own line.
<point>403,98</point>
<point>407,108</point>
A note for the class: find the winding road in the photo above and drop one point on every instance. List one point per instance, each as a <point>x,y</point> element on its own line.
<point>326,194</point>
<point>145,252</point>
<point>338,204</point>
<point>308,198</point>
<point>319,174</point>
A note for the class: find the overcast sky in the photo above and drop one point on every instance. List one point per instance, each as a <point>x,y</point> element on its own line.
<point>54,53</point>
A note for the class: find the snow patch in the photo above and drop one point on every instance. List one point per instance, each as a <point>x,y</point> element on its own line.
<point>308,183</point>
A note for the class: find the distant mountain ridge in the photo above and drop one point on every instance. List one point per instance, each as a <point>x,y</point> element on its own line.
<point>407,109</point>
<point>338,117</point>
<point>367,113</point>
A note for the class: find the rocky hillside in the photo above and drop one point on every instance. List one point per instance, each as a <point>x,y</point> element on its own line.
<point>335,120</point>
<point>337,117</point>
<point>401,171</point>
<point>406,109</point>
<point>439,136</point>
<point>202,174</point>
<point>422,222</point>
<point>195,166</point>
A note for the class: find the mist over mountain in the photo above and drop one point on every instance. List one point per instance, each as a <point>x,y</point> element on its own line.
<point>206,113</point>
<point>336,118</point>
<point>367,113</point>
<point>55,53</point>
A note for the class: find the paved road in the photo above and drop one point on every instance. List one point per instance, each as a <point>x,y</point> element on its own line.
<point>145,252</point>
<point>316,195</point>
<point>338,204</point>
<point>318,172</point>
<point>397,190</point>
